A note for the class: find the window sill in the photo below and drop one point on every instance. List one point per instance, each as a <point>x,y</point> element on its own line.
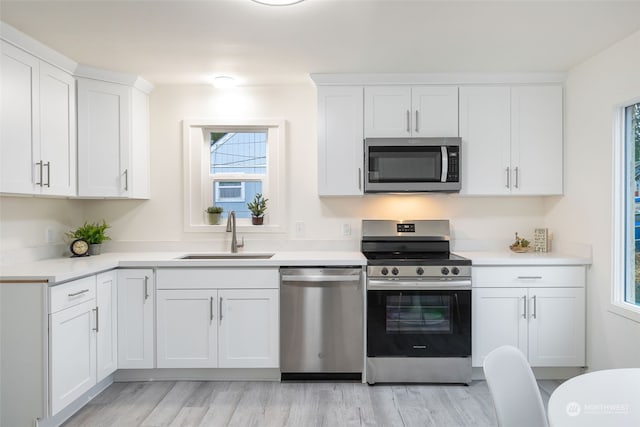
<point>222,228</point>
<point>629,311</point>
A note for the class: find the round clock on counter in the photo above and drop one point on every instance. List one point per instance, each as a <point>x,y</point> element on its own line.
<point>79,247</point>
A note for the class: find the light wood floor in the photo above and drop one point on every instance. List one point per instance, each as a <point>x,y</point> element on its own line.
<point>295,404</point>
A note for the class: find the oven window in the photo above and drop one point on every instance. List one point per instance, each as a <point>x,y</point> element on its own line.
<point>410,314</point>
<point>405,164</point>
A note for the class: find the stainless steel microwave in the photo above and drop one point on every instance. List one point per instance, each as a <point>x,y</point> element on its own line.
<point>399,165</point>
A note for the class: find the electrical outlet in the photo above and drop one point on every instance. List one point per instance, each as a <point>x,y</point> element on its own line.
<point>299,229</point>
<point>50,235</point>
<point>346,229</point>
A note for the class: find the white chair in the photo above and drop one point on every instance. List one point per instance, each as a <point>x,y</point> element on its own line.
<point>516,397</point>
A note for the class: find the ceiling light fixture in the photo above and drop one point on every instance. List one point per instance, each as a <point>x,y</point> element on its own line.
<point>224,82</point>
<point>278,2</point>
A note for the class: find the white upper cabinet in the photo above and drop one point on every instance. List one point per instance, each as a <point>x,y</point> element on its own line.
<point>486,145</point>
<point>113,140</point>
<point>418,111</point>
<point>512,140</point>
<point>536,140</point>
<point>340,141</point>
<point>37,135</point>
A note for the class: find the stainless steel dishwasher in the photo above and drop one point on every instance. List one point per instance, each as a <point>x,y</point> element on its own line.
<point>321,323</point>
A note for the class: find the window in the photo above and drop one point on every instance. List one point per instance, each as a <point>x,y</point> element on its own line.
<point>226,164</point>
<point>237,169</point>
<point>626,266</point>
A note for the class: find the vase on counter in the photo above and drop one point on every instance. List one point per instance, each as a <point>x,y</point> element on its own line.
<point>95,249</point>
<point>257,220</point>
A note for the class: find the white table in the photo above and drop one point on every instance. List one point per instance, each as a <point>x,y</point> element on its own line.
<point>602,398</point>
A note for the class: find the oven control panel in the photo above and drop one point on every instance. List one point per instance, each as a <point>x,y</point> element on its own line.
<point>417,272</point>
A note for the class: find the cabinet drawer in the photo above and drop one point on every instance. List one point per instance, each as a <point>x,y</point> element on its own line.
<point>529,276</point>
<point>213,278</point>
<point>72,293</point>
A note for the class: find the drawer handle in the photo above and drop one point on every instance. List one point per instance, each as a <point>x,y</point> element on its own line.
<point>75,294</point>
<point>529,277</point>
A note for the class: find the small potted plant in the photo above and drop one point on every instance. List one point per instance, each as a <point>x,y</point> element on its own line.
<point>213,214</point>
<point>257,208</point>
<point>93,233</point>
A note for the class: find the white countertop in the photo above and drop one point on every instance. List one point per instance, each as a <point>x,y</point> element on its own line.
<point>58,270</point>
<point>530,258</point>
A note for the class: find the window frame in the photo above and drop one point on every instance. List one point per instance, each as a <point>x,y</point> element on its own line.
<point>198,181</point>
<point>620,269</point>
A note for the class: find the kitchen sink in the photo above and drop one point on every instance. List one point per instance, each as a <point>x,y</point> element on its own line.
<point>226,256</point>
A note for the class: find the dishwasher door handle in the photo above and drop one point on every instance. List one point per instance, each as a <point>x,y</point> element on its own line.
<point>320,278</point>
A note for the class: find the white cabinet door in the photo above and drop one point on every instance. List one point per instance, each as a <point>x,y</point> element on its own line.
<point>249,332</point>
<point>387,111</point>
<point>104,111</point>
<point>340,141</point>
<point>73,353</point>
<point>57,131</point>
<point>435,111</point>
<point>19,132</point>
<point>556,327</point>
<point>187,328</point>
<point>485,131</point>
<point>136,296</point>
<point>107,327</point>
<point>536,140</point>
<point>499,318</point>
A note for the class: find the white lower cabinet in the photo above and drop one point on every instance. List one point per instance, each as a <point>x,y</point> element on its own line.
<point>73,353</point>
<point>202,326</point>
<point>187,328</point>
<point>249,329</point>
<point>539,310</point>
<point>107,326</point>
<point>83,336</point>
<point>136,299</point>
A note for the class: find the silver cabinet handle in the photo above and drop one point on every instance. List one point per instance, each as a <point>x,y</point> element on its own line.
<point>48,184</point>
<point>516,171</point>
<point>529,277</point>
<point>535,307</point>
<point>126,180</point>
<point>524,306</point>
<point>408,121</point>
<point>220,310</point>
<point>417,122</point>
<point>97,328</point>
<point>40,165</point>
<point>146,287</point>
<point>359,178</point>
<point>508,177</point>
<point>75,294</point>
<point>211,309</point>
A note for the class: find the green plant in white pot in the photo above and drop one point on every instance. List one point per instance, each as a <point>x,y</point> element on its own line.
<point>213,214</point>
<point>257,207</point>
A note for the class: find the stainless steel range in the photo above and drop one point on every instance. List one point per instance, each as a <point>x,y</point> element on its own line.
<point>418,303</point>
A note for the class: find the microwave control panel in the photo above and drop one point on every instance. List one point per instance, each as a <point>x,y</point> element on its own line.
<point>453,171</point>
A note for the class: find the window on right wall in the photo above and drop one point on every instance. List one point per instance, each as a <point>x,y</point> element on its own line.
<point>626,266</point>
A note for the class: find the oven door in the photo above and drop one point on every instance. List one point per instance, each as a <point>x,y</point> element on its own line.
<point>418,323</point>
<point>411,165</point>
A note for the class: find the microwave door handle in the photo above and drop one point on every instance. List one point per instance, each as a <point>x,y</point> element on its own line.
<point>445,163</point>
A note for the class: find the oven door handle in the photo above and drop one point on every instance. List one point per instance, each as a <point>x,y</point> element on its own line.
<point>395,285</point>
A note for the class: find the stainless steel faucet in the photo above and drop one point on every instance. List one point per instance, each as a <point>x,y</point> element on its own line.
<point>231,227</point>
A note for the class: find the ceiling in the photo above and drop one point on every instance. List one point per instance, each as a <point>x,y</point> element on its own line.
<point>187,42</point>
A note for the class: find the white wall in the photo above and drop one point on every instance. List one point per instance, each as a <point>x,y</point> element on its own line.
<point>593,89</point>
<point>160,219</point>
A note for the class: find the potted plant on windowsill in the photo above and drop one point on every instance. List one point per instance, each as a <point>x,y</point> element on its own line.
<point>257,208</point>
<point>93,233</point>
<point>213,214</point>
